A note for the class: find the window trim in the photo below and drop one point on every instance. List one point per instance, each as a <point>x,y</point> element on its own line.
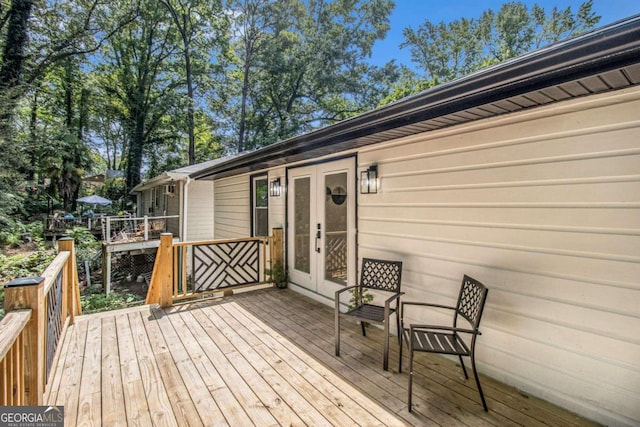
<point>253,199</point>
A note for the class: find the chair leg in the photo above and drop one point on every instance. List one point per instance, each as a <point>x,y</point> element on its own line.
<point>398,325</point>
<point>466,377</point>
<point>410,378</point>
<point>337,333</point>
<point>364,332</point>
<point>385,361</point>
<point>475,374</point>
<point>400,356</point>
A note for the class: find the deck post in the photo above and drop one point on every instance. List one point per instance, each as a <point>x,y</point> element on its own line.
<point>28,293</point>
<point>161,286</point>
<point>71,301</point>
<point>106,268</point>
<point>108,230</point>
<point>277,250</point>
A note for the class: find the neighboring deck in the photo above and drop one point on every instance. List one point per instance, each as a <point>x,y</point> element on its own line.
<point>262,358</point>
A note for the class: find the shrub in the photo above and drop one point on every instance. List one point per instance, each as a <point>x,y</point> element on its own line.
<point>87,246</point>
<point>25,265</point>
<point>95,300</point>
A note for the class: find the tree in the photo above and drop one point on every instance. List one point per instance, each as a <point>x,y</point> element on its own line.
<point>446,51</point>
<point>301,65</point>
<point>139,77</point>
<point>13,55</point>
<point>38,36</point>
<point>200,24</point>
<point>35,37</point>
<point>252,20</point>
<point>56,130</point>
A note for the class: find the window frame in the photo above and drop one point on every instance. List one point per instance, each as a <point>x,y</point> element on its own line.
<point>255,179</point>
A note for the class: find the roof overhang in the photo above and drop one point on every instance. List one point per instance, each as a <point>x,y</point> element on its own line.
<point>162,179</point>
<point>602,60</point>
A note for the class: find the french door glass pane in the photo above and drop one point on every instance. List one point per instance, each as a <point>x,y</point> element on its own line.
<point>335,219</point>
<point>302,208</point>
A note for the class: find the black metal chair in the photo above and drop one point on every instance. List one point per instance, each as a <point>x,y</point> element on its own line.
<point>377,275</point>
<point>448,339</point>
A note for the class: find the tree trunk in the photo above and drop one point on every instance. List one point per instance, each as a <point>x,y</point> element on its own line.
<point>134,156</point>
<point>13,58</point>
<point>190,96</point>
<point>243,106</point>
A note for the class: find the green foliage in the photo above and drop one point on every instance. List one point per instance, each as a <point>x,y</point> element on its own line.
<point>278,275</point>
<point>408,84</point>
<point>25,265</point>
<point>94,299</point>
<point>86,245</point>
<point>10,232</point>
<point>13,233</point>
<point>113,189</point>
<point>12,191</point>
<point>446,51</point>
<point>355,297</point>
<point>300,65</point>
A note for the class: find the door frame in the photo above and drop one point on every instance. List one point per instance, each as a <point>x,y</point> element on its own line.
<point>354,188</point>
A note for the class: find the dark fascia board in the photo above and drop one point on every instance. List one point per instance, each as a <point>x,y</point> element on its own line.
<point>608,48</point>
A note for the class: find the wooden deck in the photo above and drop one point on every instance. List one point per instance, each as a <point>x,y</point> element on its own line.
<point>262,358</point>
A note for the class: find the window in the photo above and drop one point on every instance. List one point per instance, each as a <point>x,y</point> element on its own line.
<point>260,198</point>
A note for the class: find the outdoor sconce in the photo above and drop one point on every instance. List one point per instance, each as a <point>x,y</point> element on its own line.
<point>275,189</point>
<point>369,180</point>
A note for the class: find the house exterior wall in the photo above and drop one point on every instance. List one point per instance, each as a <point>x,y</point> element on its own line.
<point>200,211</point>
<point>233,213</point>
<point>277,205</point>
<point>154,202</point>
<point>544,208</point>
<point>172,204</point>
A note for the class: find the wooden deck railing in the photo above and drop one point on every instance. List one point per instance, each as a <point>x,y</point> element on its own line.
<point>38,311</point>
<point>184,270</point>
<point>119,229</point>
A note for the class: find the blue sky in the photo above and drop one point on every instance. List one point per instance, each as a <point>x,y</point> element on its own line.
<point>411,13</point>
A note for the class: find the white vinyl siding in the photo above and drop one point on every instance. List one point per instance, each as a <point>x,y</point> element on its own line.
<point>233,210</point>
<point>277,205</point>
<point>173,208</point>
<point>200,210</point>
<point>542,206</point>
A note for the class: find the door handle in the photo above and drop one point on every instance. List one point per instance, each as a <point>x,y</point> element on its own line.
<point>318,236</point>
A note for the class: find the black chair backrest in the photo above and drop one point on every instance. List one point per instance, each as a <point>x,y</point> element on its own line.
<point>381,275</point>
<point>473,295</point>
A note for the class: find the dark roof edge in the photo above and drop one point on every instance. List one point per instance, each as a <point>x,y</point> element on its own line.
<point>601,50</point>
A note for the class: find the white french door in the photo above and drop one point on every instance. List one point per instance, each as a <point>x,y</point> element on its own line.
<point>321,234</point>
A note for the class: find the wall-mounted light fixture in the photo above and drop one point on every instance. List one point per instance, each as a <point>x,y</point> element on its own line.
<point>275,189</point>
<point>369,180</point>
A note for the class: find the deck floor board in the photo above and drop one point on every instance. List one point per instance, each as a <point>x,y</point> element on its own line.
<point>263,358</point>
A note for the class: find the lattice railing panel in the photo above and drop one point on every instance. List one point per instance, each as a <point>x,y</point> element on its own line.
<point>223,265</point>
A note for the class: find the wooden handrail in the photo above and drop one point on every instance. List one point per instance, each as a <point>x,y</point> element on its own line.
<point>38,309</point>
<point>12,339</point>
<point>52,271</point>
<point>12,325</point>
<point>214,242</point>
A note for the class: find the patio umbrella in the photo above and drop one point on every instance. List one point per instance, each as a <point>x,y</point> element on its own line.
<point>95,200</point>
